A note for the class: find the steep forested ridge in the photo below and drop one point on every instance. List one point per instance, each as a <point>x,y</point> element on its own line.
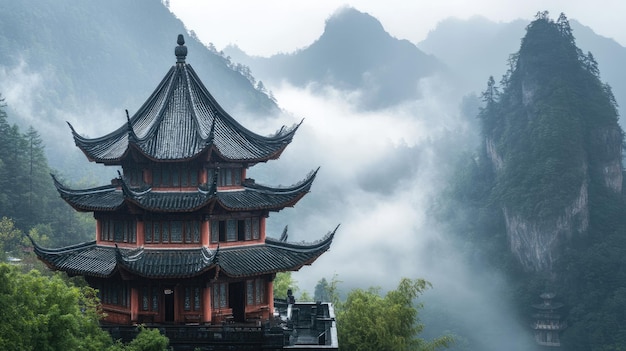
<point>543,195</point>
<point>28,199</point>
<point>112,52</point>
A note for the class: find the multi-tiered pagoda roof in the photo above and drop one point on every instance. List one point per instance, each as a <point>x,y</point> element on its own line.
<point>181,122</point>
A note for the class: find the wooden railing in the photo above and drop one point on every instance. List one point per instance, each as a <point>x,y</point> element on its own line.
<point>223,337</point>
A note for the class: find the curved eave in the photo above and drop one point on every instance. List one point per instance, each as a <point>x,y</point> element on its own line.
<point>271,257</point>
<point>275,154</point>
<point>154,263</point>
<point>259,197</point>
<point>323,243</point>
<point>103,198</point>
<point>86,259</point>
<point>108,149</point>
<point>225,129</point>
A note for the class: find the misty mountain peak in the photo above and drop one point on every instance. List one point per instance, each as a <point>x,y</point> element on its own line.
<point>355,53</point>
<point>350,26</point>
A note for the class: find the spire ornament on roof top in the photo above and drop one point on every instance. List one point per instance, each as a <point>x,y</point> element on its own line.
<point>180,50</point>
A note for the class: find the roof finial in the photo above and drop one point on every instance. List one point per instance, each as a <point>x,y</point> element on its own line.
<point>181,49</point>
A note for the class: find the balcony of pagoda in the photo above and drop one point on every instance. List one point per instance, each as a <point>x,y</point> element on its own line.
<point>222,337</point>
<point>222,315</point>
<point>313,327</point>
<point>549,326</point>
<point>121,316</point>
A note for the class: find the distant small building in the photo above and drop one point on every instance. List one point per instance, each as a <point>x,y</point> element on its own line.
<point>180,235</point>
<point>547,323</point>
<point>14,260</point>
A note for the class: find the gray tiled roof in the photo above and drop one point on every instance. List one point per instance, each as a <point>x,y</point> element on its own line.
<point>179,121</point>
<point>252,196</point>
<point>82,259</point>
<point>273,256</point>
<point>167,263</point>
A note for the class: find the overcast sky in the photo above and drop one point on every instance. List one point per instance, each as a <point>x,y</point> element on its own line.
<point>270,26</point>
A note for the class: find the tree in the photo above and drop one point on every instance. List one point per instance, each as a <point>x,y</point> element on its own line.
<point>148,340</point>
<point>10,237</point>
<point>282,283</point>
<point>491,94</point>
<point>50,314</point>
<point>325,291</point>
<point>44,313</point>
<point>368,321</point>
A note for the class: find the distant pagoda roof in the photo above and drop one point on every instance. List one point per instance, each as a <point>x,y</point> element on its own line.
<point>90,259</point>
<point>180,121</point>
<point>251,196</point>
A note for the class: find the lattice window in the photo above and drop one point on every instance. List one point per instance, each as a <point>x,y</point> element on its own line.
<point>174,176</point>
<point>229,177</point>
<point>172,232</point>
<point>220,295</point>
<point>235,230</point>
<point>150,298</point>
<point>120,231</point>
<point>255,292</point>
<point>115,293</point>
<point>192,300</point>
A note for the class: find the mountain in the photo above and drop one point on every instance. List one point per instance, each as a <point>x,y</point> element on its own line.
<point>542,198</point>
<point>477,48</point>
<point>354,53</point>
<point>85,62</point>
<point>552,131</point>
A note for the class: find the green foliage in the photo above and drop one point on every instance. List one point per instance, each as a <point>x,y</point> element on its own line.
<point>304,296</point>
<point>282,283</point>
<point>325,291</point>
<point>44,313</point>
<point>10,237</point>
<point>368,321</point>
<point>148,340</point>
<point>27,193</point>
<point>52,314</point>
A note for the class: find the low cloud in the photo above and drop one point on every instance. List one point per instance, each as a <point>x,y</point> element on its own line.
<point>380,173</point>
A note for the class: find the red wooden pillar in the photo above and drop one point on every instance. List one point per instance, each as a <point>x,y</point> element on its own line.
<point>207,311</point>
<point>205,232</point>
<point>140,233</point>
<point>178,300</point>
<point>262,229</point>
<point>134,304</point>
<point>270,297</point>
<point>98,231</point>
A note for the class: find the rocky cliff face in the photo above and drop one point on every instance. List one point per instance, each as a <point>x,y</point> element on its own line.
<point>609,140</point>
<point>536,243</point>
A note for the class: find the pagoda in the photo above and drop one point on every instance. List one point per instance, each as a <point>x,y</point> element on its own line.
<point>547,325</point>
<point>180,234</point>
